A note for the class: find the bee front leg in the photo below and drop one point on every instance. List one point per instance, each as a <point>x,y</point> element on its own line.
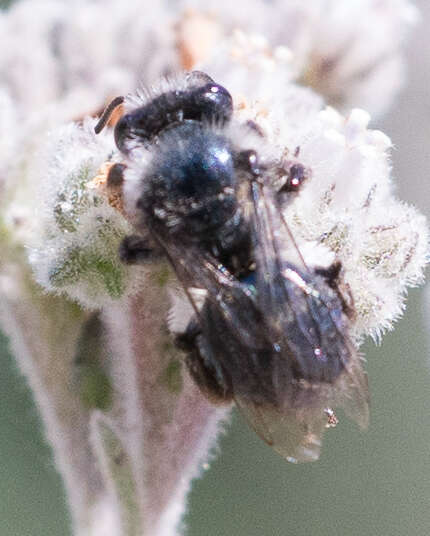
<point>202,365</point>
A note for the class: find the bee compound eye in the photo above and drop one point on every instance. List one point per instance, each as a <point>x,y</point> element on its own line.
<point>202,100</point>
<point>123,130</point>
<point>212,102</point>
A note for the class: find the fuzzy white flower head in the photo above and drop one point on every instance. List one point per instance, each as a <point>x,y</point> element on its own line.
<point>81,52</point>
<point>349,52</point>
<point>134,467</point>
<point>87,50</point>
<point>349,206</point>
<point>74,248</point>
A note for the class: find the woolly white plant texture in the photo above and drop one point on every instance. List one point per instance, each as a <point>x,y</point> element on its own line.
<point>157,422</point>
<point>81,50</point>
<point>349,52</point>
<point>76,239</point>
<point>83,53</point>
<point>8,121</point>
<point>116,400</point>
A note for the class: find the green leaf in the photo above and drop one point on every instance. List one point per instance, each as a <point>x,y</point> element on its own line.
<point>82,264</point>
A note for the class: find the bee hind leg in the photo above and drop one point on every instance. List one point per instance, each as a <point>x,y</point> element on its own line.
<point>202,365</point>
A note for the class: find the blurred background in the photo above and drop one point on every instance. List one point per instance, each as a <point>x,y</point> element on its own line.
<point>366,484</point>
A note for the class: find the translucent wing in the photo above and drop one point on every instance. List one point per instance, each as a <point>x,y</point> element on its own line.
<point>318,334</point>
<point>294,434</point>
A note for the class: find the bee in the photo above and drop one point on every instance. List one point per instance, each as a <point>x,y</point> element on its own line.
<point>271,333</point>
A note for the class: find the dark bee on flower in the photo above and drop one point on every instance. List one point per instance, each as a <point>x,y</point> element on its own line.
<point>271,333</point>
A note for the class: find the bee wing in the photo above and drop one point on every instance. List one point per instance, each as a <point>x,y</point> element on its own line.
<point>311,317</point>
<point>294,434</point>
<point>295,429</point>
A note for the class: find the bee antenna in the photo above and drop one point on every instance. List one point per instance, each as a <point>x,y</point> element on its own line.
<point>106,115</point>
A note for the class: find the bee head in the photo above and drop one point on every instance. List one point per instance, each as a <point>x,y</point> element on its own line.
<point>199,99</point>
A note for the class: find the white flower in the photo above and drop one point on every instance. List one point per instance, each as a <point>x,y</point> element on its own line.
<point>79,50</point>
<point>350,207</point>
<point>83,53</point>
<point>76,240</point>
<point>8,132</point>
<point>130,461</point>
<point>349,52</point>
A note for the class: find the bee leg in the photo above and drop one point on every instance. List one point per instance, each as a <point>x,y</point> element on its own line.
<point>135,249</point>
<point>207,374</point>
<point>334,281</point>
<point>202,366</point>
